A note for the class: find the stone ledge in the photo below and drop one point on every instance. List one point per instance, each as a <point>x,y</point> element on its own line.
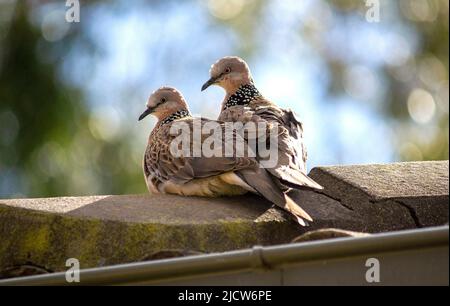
<point>398,180</point>
<point>106,230</point>
<point>119,229</point>
<point>390,197</point>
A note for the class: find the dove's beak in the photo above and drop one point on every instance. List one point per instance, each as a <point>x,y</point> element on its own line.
<point>210,82</point>
<point>147,112</point>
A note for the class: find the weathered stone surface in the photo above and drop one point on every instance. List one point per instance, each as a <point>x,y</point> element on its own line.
<point>398,180</point>
<point>105,230</point>
<point>156,209</point>
<point>400,194</point>
<point>118,229</point>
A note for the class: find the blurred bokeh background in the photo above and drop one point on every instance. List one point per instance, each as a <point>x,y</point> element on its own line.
<point>70,93</point>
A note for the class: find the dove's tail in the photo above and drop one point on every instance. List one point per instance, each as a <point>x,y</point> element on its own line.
<point>262,182</point>
<point>294,178</point>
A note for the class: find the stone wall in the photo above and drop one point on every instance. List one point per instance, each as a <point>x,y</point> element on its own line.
<point>39,235</point>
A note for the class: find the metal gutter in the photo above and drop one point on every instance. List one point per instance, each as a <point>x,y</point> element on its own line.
<point>394,246</point>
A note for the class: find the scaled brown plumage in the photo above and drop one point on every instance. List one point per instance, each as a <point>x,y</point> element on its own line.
<point>202,176</point>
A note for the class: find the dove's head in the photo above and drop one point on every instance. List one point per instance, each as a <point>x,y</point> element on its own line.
<point>164,102</point>
<point>230,73</point>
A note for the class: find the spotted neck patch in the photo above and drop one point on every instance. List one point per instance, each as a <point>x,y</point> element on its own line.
<point>177,115</point>
<point>243,96</point>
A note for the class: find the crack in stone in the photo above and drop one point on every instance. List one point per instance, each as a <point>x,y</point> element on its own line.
<point>412,212</point>
<point>334,198</point>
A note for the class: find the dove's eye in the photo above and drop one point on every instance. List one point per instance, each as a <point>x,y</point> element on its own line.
<point>228,70</point>
<point>163,100</point>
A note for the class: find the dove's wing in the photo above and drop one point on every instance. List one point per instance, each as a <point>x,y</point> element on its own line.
<point>295,128</point>
<point>260,180</point>
<point>161,164</point>
<point>291,165</point>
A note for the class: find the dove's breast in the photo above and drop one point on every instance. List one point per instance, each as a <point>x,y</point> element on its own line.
<point>227,184</point>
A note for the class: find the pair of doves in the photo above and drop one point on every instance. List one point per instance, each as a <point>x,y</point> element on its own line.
<point>226,176</point>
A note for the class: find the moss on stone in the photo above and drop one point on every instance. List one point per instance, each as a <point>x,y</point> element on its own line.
<point>37,241</point>
<point>48,240</point>
<point>111,230</point>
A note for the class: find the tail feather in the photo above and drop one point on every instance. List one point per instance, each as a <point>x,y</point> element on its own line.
<point>295,209</point>
<point>262,182</point>
<point>295,178</point>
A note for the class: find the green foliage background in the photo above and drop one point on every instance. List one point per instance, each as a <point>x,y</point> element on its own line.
<point>48,146</point>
